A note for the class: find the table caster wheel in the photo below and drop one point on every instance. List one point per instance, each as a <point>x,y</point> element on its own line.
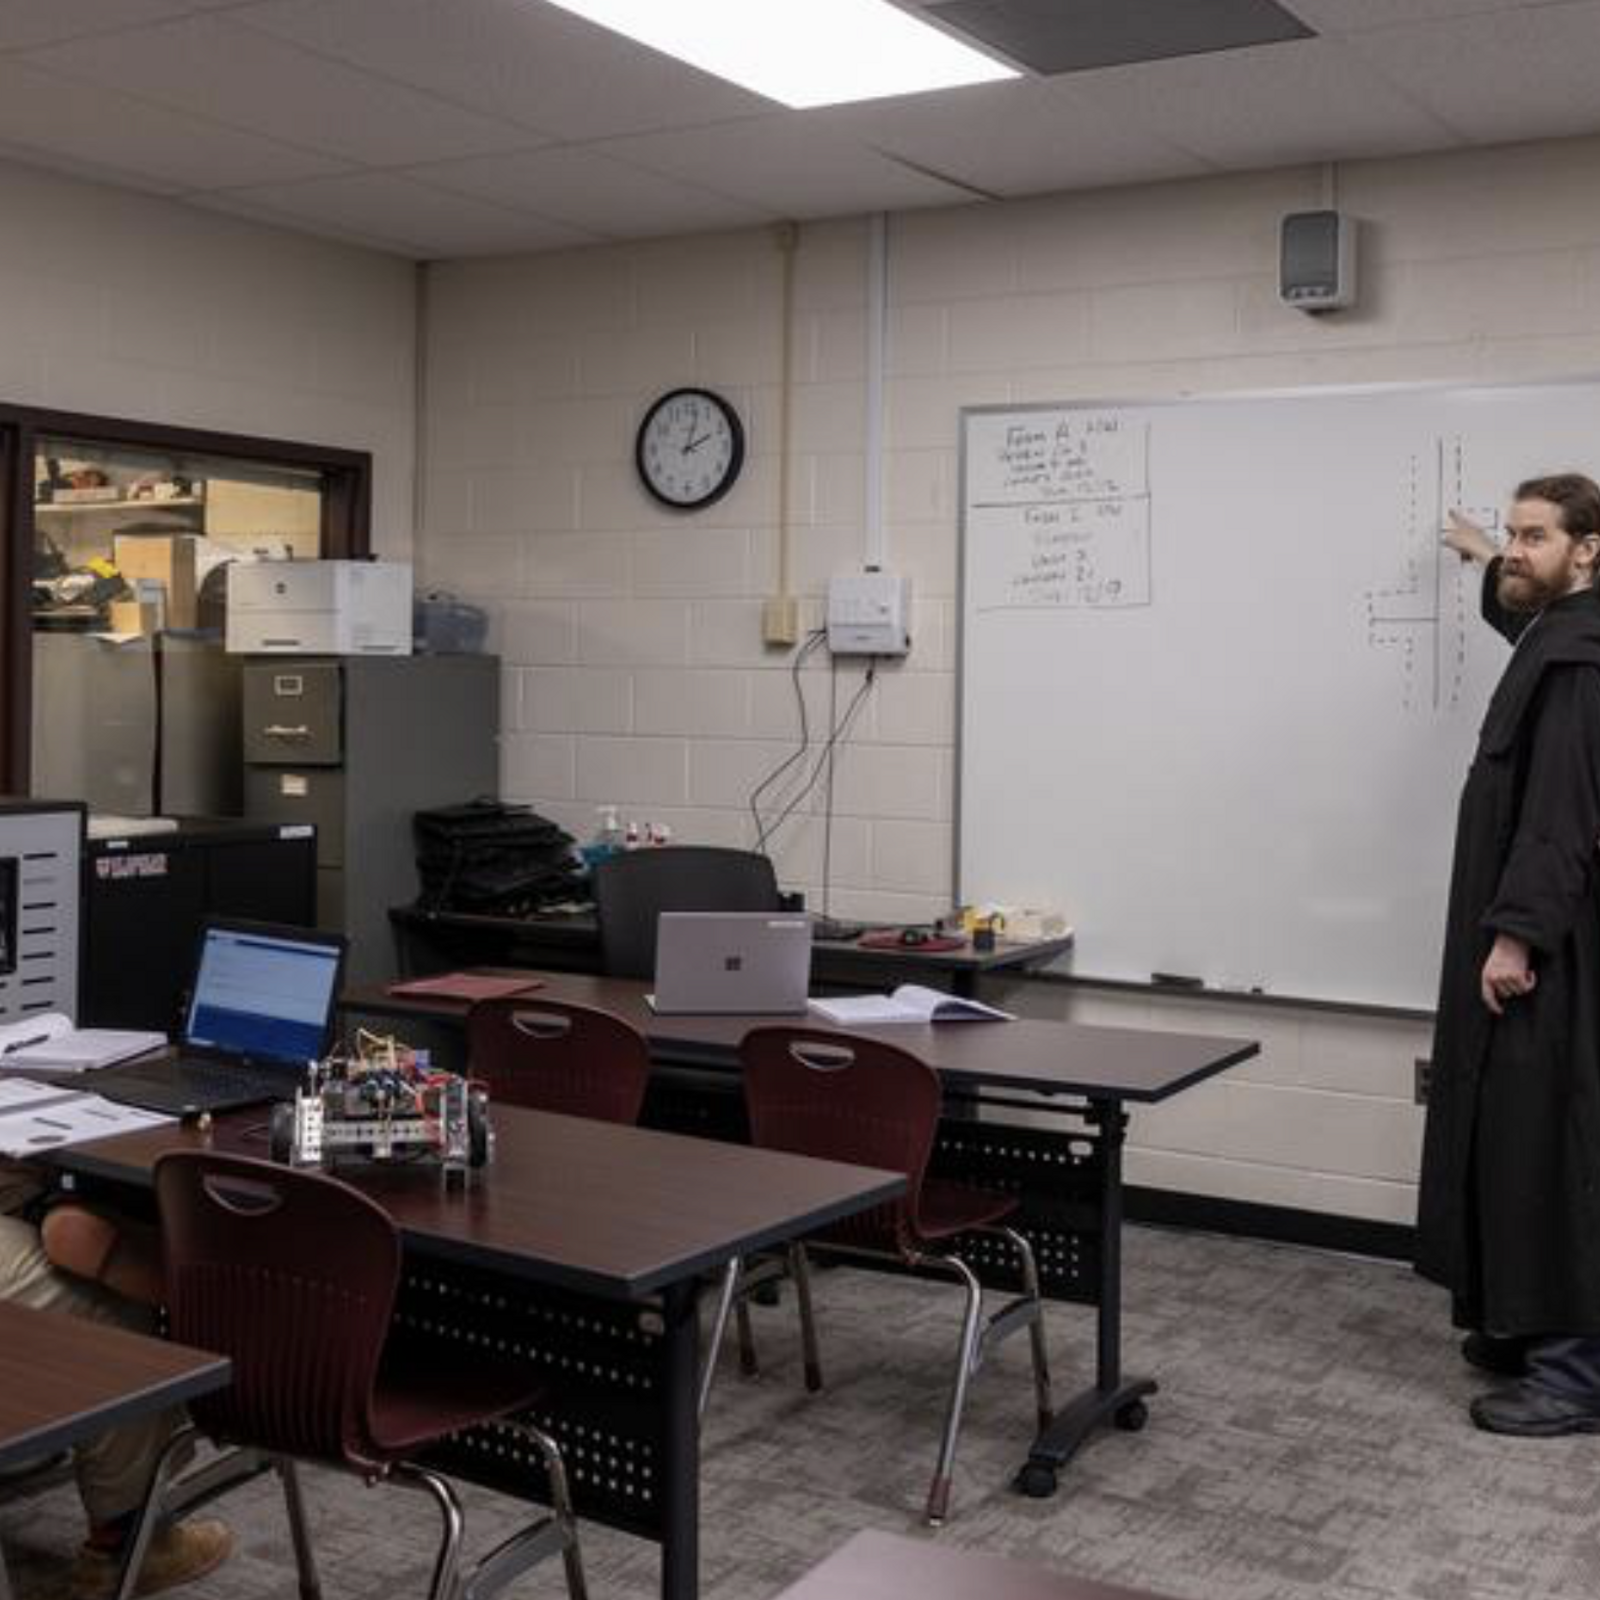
<point>1037,1480</point>
<point>1133,1416</point>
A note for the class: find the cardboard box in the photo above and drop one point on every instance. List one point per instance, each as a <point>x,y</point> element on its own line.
<point>134,616</point>
<point>168,559</point>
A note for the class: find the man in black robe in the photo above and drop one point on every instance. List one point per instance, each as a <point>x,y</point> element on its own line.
<point>1509,1209</point>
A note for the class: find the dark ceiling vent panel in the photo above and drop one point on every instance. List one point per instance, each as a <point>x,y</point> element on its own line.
<point>1054,36</point>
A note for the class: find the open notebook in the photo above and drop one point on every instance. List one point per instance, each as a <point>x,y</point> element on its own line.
<point>50,1043</point>
<point>911,1002</point>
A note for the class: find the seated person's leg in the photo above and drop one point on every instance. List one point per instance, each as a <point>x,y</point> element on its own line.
<point>123,1256</point>
<point>113,1471</point>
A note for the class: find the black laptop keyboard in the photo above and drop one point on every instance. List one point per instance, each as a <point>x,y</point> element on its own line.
<point>193,1081</point>
<point>224,1077</point>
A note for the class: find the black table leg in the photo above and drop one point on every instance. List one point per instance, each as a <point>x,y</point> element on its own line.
<point>679,1481</point>
<point>1113,1399</point>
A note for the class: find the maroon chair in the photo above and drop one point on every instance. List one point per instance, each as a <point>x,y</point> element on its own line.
<point>293,1276</point>
<point>551,1056</point>
<point>845,1098</point>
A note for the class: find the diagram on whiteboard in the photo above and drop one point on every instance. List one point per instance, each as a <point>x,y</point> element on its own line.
<point>1064,507</point>
<point>1426,616</point>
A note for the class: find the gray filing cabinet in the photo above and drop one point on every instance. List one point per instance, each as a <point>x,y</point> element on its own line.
<point>355,745</point>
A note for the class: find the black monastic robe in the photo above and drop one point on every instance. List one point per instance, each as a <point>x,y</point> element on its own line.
<point>1509,1209</point>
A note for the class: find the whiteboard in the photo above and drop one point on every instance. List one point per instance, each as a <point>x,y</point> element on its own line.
<point>1219,682</point>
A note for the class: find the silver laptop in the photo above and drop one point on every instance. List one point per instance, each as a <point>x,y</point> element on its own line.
<point>746,963</point>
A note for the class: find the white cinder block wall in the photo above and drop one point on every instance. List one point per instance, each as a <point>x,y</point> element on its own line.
<point>123,305</point>
<point>635,671</point>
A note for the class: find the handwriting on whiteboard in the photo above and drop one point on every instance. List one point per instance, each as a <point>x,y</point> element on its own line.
<point>1424,614</point>
<point>1062,507</point>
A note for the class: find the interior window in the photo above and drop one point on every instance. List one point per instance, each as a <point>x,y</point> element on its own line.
<point>135,704</point>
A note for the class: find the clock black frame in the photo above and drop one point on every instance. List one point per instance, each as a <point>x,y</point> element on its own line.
<point>735,461</point>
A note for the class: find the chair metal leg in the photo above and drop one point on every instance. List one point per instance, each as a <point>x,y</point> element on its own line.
<point>150,1512</point>
<point>543,1537</point>
<point>749,1366</point>
<point>719,1329</point>
<point>561,1503</point>
<point>1043,1400</point>
<point>800,1271</point>
<point>294,1501</point>
<point>966,1359</point>
<point>443,1586</point>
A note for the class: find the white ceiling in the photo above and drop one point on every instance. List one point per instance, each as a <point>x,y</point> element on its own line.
<point>437,128</point>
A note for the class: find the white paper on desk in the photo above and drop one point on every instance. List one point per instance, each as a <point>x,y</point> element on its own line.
<point>71,1119</point>
<point>15,1093</point>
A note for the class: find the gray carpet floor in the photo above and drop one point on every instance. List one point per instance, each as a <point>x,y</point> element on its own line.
<point>1309,1443</point>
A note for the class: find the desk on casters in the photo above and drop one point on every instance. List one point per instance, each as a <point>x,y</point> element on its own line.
<point>1068,1176</point>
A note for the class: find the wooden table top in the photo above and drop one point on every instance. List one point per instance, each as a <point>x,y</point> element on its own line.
<point>886,1566</point>
<point>1133,1064</point>
<point>594,1206</point>
<point>65,1378</point>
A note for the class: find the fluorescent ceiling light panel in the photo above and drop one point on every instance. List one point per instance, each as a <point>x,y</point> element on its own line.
<point>800,52</point>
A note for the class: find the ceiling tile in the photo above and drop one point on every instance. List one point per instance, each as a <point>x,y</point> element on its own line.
<point>529,63</point>
<point>396,214</point>
<point>592,191</point>
<point>1310,100</point>
<point>789,164</point>
<point>1026,137</point>
<point>26,23</point>
<point>211,67</point>
<point>1363,16</point>
<point>1499,77</point>
<point>100,131</point>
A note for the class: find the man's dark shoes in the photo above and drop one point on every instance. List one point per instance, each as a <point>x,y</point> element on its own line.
<point>1506,1358</point>
<point>1528,1411</point>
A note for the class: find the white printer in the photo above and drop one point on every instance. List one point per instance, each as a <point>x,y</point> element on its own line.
<point>341,608</point>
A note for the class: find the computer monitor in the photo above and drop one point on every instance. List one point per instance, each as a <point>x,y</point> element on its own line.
<point>267,994</point>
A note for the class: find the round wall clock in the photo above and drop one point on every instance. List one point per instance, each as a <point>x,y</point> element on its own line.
<point>690,448</point>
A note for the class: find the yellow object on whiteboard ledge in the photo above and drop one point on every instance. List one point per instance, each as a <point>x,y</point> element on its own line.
<point>1019,924</point>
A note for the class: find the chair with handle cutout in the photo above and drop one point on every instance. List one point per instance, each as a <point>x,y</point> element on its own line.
<point>848,1098</point>
<point>293,1276</point>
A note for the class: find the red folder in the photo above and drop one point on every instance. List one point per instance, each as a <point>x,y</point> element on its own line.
<point>464,986</point>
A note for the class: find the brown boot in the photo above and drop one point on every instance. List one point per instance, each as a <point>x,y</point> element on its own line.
<point>176,1555</point>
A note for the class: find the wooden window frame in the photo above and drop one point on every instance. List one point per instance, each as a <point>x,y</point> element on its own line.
<point>346,528</point>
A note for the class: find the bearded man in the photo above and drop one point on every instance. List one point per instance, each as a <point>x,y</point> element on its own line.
<point>1509,1210</point>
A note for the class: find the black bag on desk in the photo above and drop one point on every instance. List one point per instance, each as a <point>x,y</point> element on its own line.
<point>493,859</point>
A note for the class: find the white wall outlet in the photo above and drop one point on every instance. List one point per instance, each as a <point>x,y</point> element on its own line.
<point>869,614</point>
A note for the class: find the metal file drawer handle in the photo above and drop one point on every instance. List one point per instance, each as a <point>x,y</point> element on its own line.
<point>278,730</point>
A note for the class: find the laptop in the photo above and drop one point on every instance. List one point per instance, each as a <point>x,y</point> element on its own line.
<point>744,963</point>
<point>261,1007</point>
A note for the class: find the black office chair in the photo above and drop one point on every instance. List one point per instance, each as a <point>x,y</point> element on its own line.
<point>631,891</point>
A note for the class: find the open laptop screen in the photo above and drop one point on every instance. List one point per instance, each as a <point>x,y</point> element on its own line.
<point>262,996</point>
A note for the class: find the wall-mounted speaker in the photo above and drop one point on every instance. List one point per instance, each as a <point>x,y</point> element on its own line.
<point>1317,261</point>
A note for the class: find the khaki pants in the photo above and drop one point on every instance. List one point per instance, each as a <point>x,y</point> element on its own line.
<point>113,1470</point>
